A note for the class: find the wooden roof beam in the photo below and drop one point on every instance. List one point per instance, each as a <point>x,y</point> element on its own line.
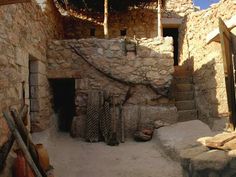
<point>215,34</point>
<point>6,2</point>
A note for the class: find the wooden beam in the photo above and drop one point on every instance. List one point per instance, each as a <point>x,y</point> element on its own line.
<point>105,24</point>
<point>6,2</point>
<point>159,23</point>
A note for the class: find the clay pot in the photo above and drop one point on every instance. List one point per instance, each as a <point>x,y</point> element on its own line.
<point>21,167</point>
<point>42,156</point>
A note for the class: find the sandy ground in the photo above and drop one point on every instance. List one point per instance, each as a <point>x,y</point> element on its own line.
<point>76,158</point>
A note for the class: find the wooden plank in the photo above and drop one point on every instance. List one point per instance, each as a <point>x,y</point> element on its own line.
<point>21,144</point>
<point>226,41</point>
<point>5,2</point>
<point>231,145</point>
<point>219,140</point>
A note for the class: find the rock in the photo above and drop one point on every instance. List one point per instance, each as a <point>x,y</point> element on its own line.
<point>160,123</point>
<point>214,159</point>
<point>187,154</point>
<point>181,136</point>
<point>78,126</point>
<point>140,136</point>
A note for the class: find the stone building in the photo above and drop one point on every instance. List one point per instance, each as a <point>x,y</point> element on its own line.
<point>60,56</point>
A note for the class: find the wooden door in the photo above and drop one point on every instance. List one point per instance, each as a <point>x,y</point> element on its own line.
<point>226,45</point>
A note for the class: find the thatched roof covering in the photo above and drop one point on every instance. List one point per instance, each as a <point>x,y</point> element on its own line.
<point>98,5</point>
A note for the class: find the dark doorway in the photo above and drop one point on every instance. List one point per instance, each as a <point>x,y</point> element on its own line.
<point>64,101</point>
<point>173,32</point>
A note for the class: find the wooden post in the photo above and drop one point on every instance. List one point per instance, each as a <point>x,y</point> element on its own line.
<point>159,23</point>
<point>105,23</point>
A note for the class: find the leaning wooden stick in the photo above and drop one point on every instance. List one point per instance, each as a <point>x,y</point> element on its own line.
<point>5,149</point>
<point>21,144</point>
<point>27,140</point>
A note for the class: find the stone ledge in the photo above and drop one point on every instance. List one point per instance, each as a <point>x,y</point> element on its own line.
<point>181,136</point>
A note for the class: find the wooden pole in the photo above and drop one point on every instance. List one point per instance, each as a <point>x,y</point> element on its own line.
<point>159,23</point>
<point>105,23</point>
<point>21,144</point>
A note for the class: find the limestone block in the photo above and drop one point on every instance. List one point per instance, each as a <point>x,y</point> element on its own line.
<point>38,67</point>
<point>22,57</point>
<point>34,105</point>
<point>181,136</point>
<point>38,79</point>
<point>3,60</point>
<point>147,115</point>
<point>213,159</point>
<point>187,154</point>
<point>78,126</point>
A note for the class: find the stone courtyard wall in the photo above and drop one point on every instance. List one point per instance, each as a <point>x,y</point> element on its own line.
<point>205,60</point>
<point>146,71</point>
<point>24,30</point>
<point>139,22</point>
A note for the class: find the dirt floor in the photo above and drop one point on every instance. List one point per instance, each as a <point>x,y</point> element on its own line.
<point>76,158</point>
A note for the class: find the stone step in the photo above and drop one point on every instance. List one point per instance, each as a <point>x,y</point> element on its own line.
<point>184,96</point>
<point>184,87</point>
<point>183,79</point>
<point>187,115</point>
<point>185,105</point>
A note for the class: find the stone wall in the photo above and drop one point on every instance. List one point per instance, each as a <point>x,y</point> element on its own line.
<point>205,60</point>
<point>140,22</point>
<point>144,67</point>
<point>24,30</point>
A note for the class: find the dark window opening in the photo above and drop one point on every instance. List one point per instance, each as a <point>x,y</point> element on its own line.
<point>173,32</point>
<point>123,32</point>
<point>92,31</point>
<point>64,102</point>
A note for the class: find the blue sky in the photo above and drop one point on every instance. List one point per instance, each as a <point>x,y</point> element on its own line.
<point>204,4</point>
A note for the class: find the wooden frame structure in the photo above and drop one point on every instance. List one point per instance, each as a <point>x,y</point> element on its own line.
<point>229,68</point>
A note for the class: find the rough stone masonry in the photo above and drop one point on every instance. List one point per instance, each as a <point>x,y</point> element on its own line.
<point>145,66</point>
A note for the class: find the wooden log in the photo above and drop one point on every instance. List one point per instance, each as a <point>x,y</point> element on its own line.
<point>21,144</point>
<point>5,149</point>
<point>105,23</point>
<point>5,2</point>
<point>27,140</point>
<point>159,23</point>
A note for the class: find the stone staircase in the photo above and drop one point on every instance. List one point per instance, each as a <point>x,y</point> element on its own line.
<point>184,94</point>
